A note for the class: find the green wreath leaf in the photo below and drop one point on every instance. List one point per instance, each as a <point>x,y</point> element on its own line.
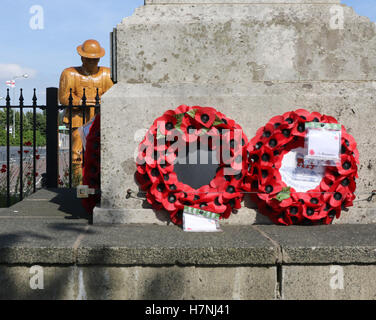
<point>160,135</point>
<point>284,194</point>
<point>217,121</point>
<point>192,113</point>
<point>179,118</point>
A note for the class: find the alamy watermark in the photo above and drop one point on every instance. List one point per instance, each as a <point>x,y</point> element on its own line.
<point>227,147</point>
<point>337,18</point>
<point>37,279</point>
<point>36,21</point>
<point>337,279</point>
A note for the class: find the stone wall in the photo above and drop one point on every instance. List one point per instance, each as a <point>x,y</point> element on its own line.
<point>165,263</point>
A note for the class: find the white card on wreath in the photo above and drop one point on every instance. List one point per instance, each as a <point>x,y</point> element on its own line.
<point>324,144</point>
<point>197,220</point>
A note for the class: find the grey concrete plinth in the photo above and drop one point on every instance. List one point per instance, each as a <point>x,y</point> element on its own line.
<point>140,283</point>
<point>329,282</point>
<point>237,43</point>
<point>250,59</point>
<point>73,260</point>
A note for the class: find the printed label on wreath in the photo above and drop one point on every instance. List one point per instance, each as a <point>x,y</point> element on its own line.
<point>197,220</point>
<point>323,143</point>
<point>296,174</point>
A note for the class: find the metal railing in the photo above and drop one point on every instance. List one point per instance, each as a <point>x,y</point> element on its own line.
<point>52,108</point>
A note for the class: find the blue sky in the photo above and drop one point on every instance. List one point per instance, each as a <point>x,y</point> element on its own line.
<point>45,53</point>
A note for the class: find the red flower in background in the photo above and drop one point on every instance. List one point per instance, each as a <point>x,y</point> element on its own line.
<point>90,172</point>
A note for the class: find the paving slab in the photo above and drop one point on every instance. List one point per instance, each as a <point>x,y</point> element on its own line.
<point>169,245</point>
<point>342,244</point>
<point>48,203</point>
<point>31,241</point>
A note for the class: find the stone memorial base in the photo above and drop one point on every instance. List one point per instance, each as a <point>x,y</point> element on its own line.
<point>137,105</point>
<point>250,59</point>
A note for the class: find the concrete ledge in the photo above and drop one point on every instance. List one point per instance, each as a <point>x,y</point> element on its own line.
<point>83,261</point>
<point>342,244</point>
<point>33,241</point>
<point>48,232</point>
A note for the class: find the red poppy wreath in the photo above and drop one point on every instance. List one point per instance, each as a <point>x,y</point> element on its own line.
<point>175,132</point>
<point>276,196</point>
<point>91,168</point>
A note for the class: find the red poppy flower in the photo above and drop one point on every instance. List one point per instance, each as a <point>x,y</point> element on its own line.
<point>189,130</point>
<point>205,116</point>
<point>182,109</point>
<point>166,124</point>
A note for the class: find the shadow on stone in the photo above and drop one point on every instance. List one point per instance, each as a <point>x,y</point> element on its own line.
<point>15,279</point>
<point>69,203</point>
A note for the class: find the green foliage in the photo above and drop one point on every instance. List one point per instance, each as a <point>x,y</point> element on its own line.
<point>27,128</point>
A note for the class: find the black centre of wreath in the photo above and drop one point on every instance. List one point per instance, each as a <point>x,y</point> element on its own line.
<point>310,211</point>
<point>345,182</point>
<point>171,198</point>
<point>338,196</point>
<point>205,118</point>
<point>230,189</point>
<point>301,127</point>
<point>197,168</point>
<point>294,210</point>
<point>286,132</point>
<point>155,172</point>
<point>346,165</point>
<point>267,134</point>
<point>269,189</point>
<point>272,143</point>
<point>169,126</point>
<point>289,120</point>
<point>161,187</point>
<point>265,157</point>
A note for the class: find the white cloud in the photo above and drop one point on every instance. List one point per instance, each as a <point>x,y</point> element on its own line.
<point>8,71</point>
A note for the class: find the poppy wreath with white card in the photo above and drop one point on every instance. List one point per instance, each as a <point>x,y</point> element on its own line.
<point>179,129</point>
<point>284,187</point>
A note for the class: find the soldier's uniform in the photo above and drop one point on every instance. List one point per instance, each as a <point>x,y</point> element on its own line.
<point>76,79</point>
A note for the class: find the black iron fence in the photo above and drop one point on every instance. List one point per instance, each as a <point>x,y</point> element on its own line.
<point>52,108</point>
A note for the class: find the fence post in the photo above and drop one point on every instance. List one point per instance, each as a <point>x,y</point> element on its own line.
<point>52,113</point>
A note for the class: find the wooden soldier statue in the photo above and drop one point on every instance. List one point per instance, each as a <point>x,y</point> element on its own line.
<point>90,77</point>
